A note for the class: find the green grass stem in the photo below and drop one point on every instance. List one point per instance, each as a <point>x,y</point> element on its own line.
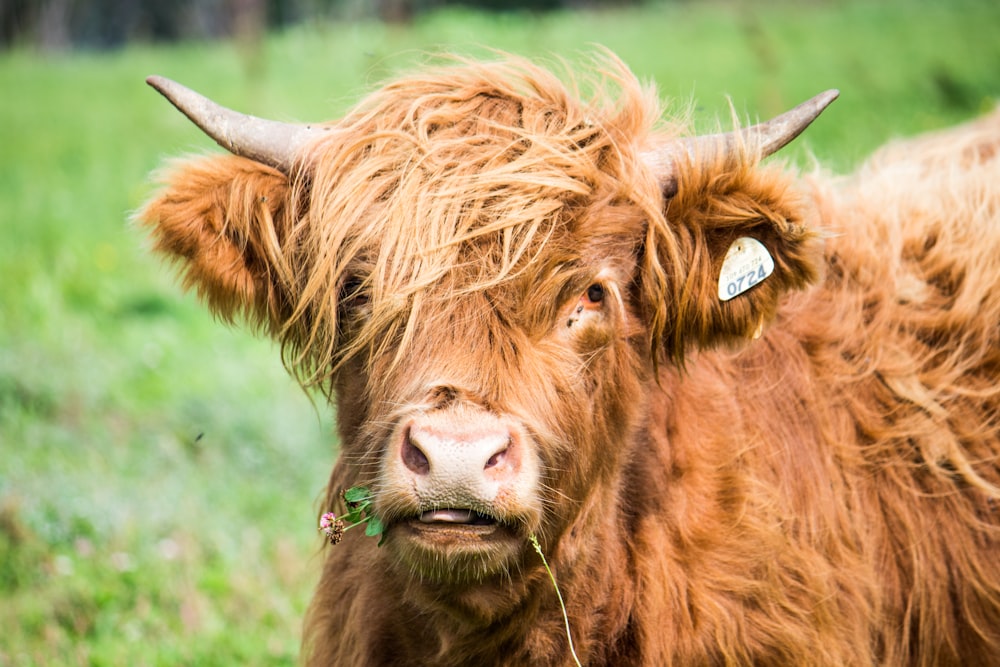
<point>562,605</point>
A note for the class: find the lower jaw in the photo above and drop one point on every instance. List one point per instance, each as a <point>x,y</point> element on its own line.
<point>456,553</point>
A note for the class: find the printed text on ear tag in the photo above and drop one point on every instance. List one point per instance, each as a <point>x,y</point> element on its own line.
<point>747,263</point>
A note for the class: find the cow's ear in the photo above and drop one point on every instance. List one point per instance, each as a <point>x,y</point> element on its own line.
<point>224,220</point>
<point>737,239</point>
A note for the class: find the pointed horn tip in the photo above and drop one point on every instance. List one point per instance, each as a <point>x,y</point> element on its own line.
<point>824,99</point>
<point>177,94</point>
<point>158,83</point>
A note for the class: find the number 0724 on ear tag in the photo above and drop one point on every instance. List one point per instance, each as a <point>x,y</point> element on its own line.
<point>747,263</point>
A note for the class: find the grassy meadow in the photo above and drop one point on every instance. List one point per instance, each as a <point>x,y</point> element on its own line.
<point>159,471</point>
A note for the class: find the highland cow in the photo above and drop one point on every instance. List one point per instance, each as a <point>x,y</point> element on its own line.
<point>752,417</point>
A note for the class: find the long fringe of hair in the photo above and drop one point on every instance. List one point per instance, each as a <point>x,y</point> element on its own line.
<point>462,176</point>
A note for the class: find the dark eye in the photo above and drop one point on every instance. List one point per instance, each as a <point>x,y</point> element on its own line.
<point>595,293</point>
<point>352,291</point>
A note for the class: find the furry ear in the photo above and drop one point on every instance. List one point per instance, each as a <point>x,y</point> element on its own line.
<point>225,220</point>
<point>731,206</point>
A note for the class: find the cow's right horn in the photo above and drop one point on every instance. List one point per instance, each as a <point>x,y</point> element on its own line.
<point>769,136</point>
<point>266,141</point>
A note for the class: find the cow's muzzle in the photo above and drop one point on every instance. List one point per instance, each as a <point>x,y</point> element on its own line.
<point>457,481</point>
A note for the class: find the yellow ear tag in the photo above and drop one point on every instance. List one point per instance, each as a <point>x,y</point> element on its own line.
<point>747,263</point>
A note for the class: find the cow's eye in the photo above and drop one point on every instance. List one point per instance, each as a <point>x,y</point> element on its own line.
<point>595,293</point>
<point>352,292</point>
<point>589,306</point>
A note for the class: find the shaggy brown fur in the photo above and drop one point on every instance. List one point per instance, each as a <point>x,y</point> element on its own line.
<point>827,495</point>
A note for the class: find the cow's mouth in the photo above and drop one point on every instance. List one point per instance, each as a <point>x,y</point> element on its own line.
<point>457,544</point>
<point>457,528</point>
<point>456,517</point>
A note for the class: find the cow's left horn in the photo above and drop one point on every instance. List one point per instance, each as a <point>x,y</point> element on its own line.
<point>770,136</point>
<point>266,141</point>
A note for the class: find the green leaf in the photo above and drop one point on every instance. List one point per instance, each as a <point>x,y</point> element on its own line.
<point>374,526</point>
<point>357,495</point>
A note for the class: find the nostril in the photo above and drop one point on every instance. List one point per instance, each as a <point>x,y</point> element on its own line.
<point>498,458</point>
<point>414,458</point>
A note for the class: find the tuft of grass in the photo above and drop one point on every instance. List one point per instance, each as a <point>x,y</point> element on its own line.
<point>158,471</point>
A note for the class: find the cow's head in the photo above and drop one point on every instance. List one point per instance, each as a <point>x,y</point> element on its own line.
<point>483,274</point>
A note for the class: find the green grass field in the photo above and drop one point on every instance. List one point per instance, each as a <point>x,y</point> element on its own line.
<point>158,471</point>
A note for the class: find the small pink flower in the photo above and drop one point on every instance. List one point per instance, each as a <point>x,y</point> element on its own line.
<point>332,527</point>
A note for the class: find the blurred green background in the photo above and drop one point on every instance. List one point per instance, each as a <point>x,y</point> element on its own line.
<point>159,472</point>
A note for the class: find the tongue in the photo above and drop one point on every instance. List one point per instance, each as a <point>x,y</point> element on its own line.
<point>447,516</point>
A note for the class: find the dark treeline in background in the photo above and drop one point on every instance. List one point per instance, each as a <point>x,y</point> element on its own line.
<point>54,25</point>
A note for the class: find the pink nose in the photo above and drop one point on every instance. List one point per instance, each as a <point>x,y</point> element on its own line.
<point>459,456</point>
<point>428,449</point>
